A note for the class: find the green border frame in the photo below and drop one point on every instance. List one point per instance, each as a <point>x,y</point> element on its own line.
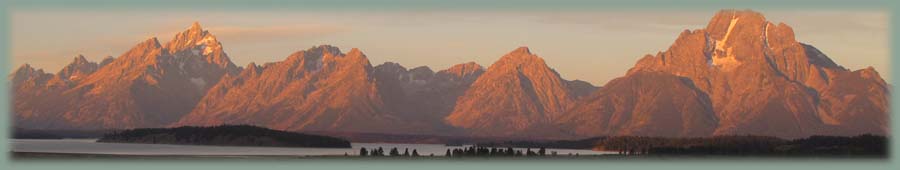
<point>429,5</point>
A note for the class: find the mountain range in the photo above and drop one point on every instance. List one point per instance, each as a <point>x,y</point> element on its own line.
<point>741,74</point>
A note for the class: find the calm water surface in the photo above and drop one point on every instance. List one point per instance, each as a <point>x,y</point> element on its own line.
<point>89,146</point>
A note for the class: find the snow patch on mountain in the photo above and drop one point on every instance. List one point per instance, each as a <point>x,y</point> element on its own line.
<point>199,82</point>
<point>723,57</point>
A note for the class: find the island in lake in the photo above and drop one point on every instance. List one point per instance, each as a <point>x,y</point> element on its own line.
<point>223,135</point>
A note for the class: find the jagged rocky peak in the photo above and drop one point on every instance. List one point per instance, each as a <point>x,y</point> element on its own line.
<point>732,32</point>
<point>521,50</point>
<point>530,65</point>
<point>314,89</point>
<point>322,49</point>
<point>147,86</point>
<point>522,60</point>
<point>355,52</point>
<point>516,93</point>
<point>331,59</point>
<point>760,80</point>
<point>252,69</point>
<point>390,67</point>
<point>78,68</point>
<point>395,71</point>
<point>150,43</point>
<point>315,53</point>
<point>196,43</point>
<point>464,70</point>
<point>25,72</point>
<point>107,60</point>
<point>252,66</point>
<point>193,36</point>
<point>518,56</point>
<point>147,51</point>
<point>195,26</point>
<point>80,60</point>
<point>24,68</point>
<point>391,71</point>
<point>738,39</point>
<point>356,56</point>
<point>726,20</point>
<point>421,70</point>
<point>313,58</point>
<point>422,73</point>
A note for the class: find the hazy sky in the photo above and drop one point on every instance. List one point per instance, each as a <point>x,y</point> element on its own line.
<point>590,46</point>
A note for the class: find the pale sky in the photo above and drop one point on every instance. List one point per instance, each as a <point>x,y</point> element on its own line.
<point>590,46</point>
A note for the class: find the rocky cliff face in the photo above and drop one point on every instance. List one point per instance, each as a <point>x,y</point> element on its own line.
<point>148,86</point>
<point>420,94</point>
<point>759,80</point>
<point>642,104</point>
<point>77,69</point>
<point>198,51</point>
<point>318,89</point>
<point>31,89</point>
<point>515,93</point>
<point>740,75</point>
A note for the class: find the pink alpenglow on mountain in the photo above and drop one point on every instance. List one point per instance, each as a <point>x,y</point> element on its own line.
<point>315,89</point>
<point>740,75</point>
<point>515,93</point>
<point>148,86</point>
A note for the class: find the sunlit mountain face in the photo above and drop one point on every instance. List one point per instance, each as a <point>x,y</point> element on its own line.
<point>741,74</point>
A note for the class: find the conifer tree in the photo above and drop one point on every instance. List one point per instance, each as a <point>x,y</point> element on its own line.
<point>394,152</point>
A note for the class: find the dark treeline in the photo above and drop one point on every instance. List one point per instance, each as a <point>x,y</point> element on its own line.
<point>471,151</point>
<point>19,133</point>
<point>863,145</point>
<point>837,145</point>
<point>23,134</point>
<point>479,151</point>
<point>560,144</point>
<point>223,135</point>
<point>393,152</point>
<point>362,137</point>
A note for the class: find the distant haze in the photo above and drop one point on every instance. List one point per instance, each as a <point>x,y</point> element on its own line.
<point>590,46</point>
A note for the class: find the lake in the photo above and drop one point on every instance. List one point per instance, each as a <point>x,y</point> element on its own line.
<point>89,146</point>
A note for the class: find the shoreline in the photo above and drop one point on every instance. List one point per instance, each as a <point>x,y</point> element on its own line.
<point>37,156</point>
<point>75,156</point>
